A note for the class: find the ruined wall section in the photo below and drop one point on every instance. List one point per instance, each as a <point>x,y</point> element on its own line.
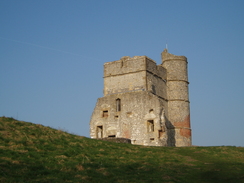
<point>137,109</point>
<point>144,102</point>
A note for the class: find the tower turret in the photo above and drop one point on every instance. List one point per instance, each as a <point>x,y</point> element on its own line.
<point>178,99</point>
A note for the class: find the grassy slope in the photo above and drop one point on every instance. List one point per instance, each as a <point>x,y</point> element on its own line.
<point>34,153</point>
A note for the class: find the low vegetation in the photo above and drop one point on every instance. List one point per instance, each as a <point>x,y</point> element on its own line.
<point>35,153</point>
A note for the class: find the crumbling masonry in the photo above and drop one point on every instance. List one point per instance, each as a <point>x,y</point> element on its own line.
<point>144,102</point>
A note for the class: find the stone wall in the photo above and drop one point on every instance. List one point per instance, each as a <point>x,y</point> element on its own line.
<point>156,85</point>
<point>178,97</point>
<point>133,74</point>
<point>138,108</point>
<point>124,83</point>
<point>117,140</point>
<point>144,102</point>
<point>124,65</point>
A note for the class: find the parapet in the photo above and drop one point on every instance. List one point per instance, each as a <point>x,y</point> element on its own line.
<point>133,64</point>
<point>133,74</point>
<point>124,65</point>
<point>168,56</point>
<point>176,66</point>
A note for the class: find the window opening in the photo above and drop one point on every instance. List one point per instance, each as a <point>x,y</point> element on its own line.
<point>99,131</point>
<point>105,114</point>
<point>151,139</point>
<point>160,133</point>
<point>118,105</point>
<point>111,136</point>
<point>150,125</point>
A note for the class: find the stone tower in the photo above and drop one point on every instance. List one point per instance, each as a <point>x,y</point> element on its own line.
<point>144,102</point>
<point>178,98</point>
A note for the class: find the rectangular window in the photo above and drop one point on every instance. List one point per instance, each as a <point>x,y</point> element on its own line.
<point>118,105</point>
<point>150,125</point>
<point>105,114</point>
<point>112,136</point>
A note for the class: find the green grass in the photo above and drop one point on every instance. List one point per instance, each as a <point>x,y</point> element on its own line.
<point>35,153</point>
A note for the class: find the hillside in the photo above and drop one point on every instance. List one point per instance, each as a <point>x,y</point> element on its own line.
<point>35,153</point>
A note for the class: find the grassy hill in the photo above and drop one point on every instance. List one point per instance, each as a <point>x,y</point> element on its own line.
<point>35,153</point>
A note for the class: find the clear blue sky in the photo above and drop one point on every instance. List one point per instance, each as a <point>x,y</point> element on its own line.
<point>52,54</point>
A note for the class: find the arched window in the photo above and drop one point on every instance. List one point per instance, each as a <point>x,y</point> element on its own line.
<point>118,105</point>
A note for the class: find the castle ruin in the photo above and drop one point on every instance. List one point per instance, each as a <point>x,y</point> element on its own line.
<point>144,102</point>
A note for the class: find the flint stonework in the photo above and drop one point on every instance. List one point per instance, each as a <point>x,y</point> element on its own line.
<point>144,102</point>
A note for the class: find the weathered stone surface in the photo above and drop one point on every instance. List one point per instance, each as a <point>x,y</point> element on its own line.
<point>144,102</point>
<point>117,140</point>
